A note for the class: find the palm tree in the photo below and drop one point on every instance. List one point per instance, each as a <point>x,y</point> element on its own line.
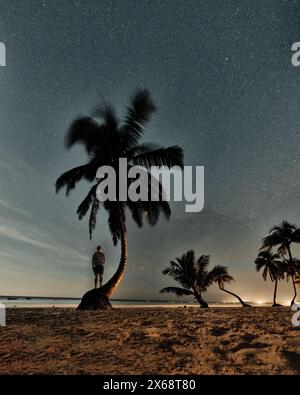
<point>292,271</point>
<point>283,236</point>
<point>106,140</point>
<point>223,277</point>
<point>272,266</point>
<point>192,275</point>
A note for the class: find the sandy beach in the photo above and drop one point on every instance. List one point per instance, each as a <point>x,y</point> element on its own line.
<point>150,341</point>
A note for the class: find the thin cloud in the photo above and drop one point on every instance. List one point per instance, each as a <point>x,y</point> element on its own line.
<point>17,235</point>
<point>9,206</point>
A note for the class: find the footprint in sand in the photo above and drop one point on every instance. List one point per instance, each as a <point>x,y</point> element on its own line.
<point>141,334</point>
<point>147,322</point>
<point>218,331</point>
<point>245,345</point>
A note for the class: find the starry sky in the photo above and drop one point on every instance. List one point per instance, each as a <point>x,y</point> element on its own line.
<point>221,76</point>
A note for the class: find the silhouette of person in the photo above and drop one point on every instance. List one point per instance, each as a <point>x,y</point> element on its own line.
<point>98,263</point>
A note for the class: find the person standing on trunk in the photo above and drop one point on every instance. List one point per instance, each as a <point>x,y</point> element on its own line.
<point>98,263</point>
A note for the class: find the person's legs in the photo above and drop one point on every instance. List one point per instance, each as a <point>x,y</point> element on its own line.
<point>101,269</point>
<point>96,279</point>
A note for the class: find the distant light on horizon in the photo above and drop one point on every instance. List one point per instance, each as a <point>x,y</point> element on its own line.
<point>261,302</point>
<point>286,303</point>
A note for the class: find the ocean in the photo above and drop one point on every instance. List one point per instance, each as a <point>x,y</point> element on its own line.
<point>30,302</point>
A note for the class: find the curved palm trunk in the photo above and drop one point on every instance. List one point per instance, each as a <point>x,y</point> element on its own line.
<point>236,296</point>
<point>98,299</point>
<point>201,301</point>
<point>114,282</point>
<point>293,277</point>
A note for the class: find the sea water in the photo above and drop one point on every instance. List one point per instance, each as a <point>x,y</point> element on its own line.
<point>61,302</point>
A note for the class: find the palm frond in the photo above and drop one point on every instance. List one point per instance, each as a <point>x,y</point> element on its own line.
<point>86,203</point>
<point>265,273</point>
<point>270,264</point>
<point>169,157</point>
<point>137,213</point>
<point>107,113</point>
<point>177,275</point>
<point>202,264</point>
<point>70,178</point>
<point>284,227</point>
<point>218,273</point>
<point>83,130</point>
<point>182,271</point>
<point>296,236</point>
<point>138,113</point>
<point>175,265</point>
<point>150,209</point>
<point>167,270</point>
<point>272,240</point>
<point>282,236</point>
<point>93,216</point>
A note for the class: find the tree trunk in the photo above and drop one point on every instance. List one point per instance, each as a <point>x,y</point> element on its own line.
<point>201,301</point>
<point>275,294</point>
<point>295,290</point>
<point>236,296</point>
<point>293,278</point>
<point>98,299</point>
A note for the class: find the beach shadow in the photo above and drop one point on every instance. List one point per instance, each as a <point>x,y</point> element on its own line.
<point>293,359</point>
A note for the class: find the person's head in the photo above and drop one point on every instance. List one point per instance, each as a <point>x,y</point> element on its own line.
<point>98,248</point>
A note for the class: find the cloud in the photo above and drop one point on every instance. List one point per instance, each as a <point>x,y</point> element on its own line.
<point>7,205</point>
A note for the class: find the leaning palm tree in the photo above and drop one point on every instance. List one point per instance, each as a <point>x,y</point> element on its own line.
<point>223,277</point>
<point>192,275</point>
<point>283,236</point>
<point>292,271</point>
<point>272,266</point>
<point>106,140</point>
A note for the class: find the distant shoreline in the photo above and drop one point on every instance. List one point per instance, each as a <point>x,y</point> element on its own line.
<point>29,297</point>
<point>21,297</point>
<point>26,301</point>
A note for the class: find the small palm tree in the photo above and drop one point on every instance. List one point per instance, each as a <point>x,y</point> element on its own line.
<point>194,276</point>
<point>283,236</point>
<point>223,277</point>
<point>186,271</point>
<point>272,266</point>
<point>106,140</point>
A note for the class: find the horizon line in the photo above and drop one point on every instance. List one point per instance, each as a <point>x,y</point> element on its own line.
<point>16,297</point>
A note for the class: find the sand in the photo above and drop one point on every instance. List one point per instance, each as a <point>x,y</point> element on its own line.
<point>150,341</point>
